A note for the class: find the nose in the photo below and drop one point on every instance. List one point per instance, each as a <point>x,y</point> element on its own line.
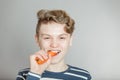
<point>54,43</point>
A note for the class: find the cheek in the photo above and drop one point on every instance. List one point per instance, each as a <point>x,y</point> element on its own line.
<point>43,44</point>
<point>65,45</point>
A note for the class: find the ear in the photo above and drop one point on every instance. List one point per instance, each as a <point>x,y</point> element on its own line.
<point>71,39</point>
<point>36,39</point>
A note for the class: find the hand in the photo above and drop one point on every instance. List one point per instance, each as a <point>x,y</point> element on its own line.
<point>39,68</point>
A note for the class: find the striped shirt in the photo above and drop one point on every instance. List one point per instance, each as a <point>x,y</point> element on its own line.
<point>72,73</point>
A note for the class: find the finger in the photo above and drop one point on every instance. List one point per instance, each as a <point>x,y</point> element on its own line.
<point>41,55</point>
<point>45,56</point>
<point>49,59</point>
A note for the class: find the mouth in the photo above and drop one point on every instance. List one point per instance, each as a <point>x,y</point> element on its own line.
<point>53,52</point>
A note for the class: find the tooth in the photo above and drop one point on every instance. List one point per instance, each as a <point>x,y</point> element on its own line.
<point>56,51</point>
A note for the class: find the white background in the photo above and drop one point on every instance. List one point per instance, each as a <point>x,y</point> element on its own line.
<point>96,44</point>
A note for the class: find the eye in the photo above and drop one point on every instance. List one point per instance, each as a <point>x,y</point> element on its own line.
<point>46,38</point>
<point>62,38</point>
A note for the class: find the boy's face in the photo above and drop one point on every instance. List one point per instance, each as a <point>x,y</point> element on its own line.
<point>52,36</point>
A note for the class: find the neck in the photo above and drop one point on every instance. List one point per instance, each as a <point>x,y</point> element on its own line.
<point>59,67</point>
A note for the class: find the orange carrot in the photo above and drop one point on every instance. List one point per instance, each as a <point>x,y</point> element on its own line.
<point>41,62</point>
<point>52,53</point>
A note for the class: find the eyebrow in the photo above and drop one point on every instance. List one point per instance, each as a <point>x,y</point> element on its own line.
<point>44,34</point>
<point>50,35</point>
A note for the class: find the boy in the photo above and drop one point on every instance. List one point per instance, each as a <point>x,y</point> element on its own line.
<point>53,34</point>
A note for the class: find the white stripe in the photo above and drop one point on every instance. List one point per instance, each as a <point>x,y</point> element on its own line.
<point>76,75</point>
<point>79,70</point>
<point>18,76</point>
<point>35,75</point>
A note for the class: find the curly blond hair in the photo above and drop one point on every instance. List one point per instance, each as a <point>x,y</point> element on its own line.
<point>58,16</point>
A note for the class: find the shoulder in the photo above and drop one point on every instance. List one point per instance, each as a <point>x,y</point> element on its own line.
<point>22,74</point>
<point>79,71</point>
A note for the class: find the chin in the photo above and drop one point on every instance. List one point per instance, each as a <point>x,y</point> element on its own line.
<point>54,62</point>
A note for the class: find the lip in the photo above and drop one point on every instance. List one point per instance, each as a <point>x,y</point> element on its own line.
<point>56,51</point>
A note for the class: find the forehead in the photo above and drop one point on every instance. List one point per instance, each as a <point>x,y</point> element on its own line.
<point>52,29</point>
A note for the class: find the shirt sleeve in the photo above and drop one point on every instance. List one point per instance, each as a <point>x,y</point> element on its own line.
<point>20,76</point>
<point>33,76</point>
